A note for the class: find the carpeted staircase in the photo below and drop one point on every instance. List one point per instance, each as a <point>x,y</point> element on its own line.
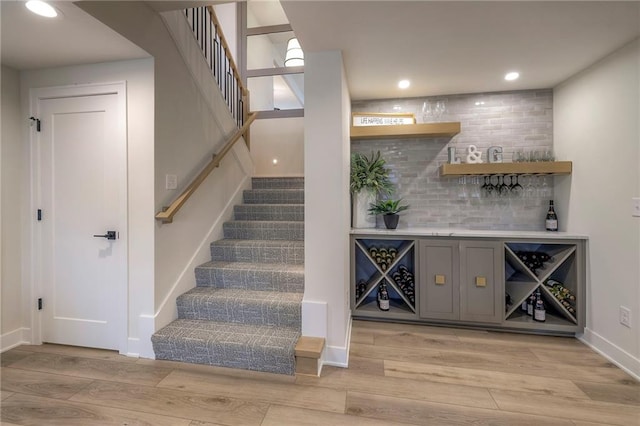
<point>245,311</point>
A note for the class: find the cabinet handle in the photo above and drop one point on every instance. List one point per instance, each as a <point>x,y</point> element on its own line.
<point>440,279</point>
<point>481,282</point>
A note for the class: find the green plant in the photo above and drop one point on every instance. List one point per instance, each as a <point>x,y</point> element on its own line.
<point>387,207</point>
<point>369,174</point>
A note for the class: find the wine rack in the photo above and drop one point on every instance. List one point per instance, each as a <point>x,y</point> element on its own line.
<point>387,261</point>
<point>535,266</point>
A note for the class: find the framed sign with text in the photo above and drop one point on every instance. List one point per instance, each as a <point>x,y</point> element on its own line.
<point>382,119</point>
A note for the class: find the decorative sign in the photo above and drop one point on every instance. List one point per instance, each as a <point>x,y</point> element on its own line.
<point>452,155</point>
<point>473,155</point>
<point>494,154</point>
<point>382,119</point>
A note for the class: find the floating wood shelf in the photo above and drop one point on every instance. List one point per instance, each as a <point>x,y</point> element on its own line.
<point>543,167</point>
<point>420,130</point>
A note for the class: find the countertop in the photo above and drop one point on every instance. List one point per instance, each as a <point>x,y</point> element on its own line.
<point>468,233</point>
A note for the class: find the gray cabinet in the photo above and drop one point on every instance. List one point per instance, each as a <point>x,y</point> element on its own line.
<point>461,280</point>
<point>481,286</point>
<point>439,279</point>
<point>472,280</point>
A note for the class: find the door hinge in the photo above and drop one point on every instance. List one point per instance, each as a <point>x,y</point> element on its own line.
<point>39,215</point>
<point>40,303</point>
<point>37,120</point>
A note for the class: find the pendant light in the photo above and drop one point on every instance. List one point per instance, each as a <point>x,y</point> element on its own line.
<point>294,56</point>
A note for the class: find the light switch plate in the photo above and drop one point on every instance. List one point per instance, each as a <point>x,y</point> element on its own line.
<point>481,281</point>
<point>635,207</point>
<point>171,181</point>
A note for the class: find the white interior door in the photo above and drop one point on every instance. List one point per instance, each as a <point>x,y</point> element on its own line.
<point>82,146</point>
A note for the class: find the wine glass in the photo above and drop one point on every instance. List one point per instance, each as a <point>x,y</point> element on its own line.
<point>462,187</point>
<point>503,187</point>
<point>515,188</point>
<point>427,111</point>
<point>440,109</point>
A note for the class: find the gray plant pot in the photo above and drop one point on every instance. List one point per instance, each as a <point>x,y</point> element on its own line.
<point>391,220</point>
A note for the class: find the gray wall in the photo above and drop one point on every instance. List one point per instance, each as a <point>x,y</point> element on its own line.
<point>522,119</point>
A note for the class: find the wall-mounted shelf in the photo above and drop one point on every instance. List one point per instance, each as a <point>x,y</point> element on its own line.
<point>421,130</point>
<point>542,167</point>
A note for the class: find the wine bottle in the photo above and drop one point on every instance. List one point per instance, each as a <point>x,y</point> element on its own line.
<point>539,312</point>
<point>383,297</point>
<point>530,304</point>
<point>524,306</point>
<point>551,222</point>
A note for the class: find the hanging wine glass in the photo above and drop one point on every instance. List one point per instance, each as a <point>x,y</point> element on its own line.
<point>515,188</point>
<point>503,187</point>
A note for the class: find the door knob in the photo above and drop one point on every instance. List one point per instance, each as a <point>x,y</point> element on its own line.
<point>110,235</point>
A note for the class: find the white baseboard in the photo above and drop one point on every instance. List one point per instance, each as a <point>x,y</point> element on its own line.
<point>17,337</point>
<point>146,328</point>
<point>612,352</point>
<point>338,356</point>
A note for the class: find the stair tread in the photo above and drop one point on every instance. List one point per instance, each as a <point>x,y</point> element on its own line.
<point>244,295</point>
<point>265,222</point>
<point>254,266</point>
<point>194,327</point>
<point>256,243</point>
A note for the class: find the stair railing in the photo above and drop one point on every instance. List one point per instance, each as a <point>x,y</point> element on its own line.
<point>208,33</point>
<point>167,213</point>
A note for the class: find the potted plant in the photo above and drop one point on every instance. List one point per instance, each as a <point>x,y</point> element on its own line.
<point>389,210</point>
<point>369,177</point>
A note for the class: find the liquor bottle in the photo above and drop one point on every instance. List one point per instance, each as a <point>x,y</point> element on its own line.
<point>383,297</point>
<point>551,222</point>
<point>539,312</point>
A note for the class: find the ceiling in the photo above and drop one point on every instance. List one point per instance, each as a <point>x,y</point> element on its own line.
<point>452,47</point>
<point>29,41</point>
<point>442,47</point>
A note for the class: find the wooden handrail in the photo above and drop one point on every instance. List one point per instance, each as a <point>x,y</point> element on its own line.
<point>225,46</point>
<point>167,214</point>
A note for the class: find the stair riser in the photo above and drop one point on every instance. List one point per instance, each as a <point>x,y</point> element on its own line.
<point>264,230</point>
<point>258,312</point>
<point>277,183</point>
<point>290,282</point>
<point>268,196</point>
<point>230,355</point>
<point>286,212</point>
<point>226,253</point>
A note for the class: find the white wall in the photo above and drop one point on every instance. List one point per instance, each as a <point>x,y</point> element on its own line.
<point>279,138</point>
<point>325,310</point>
<point>228,17</point>
<point>596,116</point>
<point>12,200</point>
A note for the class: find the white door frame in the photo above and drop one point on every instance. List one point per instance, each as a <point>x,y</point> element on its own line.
<point>35,289</point>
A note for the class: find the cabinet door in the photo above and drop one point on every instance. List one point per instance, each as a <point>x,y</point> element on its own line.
<point>439,279</point>
<point>481,284</point>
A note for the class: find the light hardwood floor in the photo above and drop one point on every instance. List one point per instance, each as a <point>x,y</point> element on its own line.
<point>398,374</point>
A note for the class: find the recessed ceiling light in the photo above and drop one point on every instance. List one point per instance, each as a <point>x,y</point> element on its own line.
<point>274,161</point>
<point>397,107</point>
<point>512,76</point>
<point>403,84</point>
<point>41,8</point>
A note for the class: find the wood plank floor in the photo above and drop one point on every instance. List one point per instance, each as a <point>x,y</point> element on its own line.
<point>398,374</point>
